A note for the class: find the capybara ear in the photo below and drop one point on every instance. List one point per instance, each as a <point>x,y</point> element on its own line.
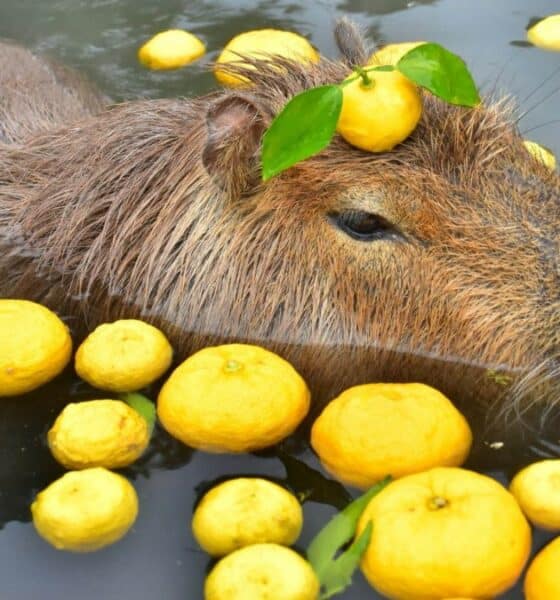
<point>235,126</point>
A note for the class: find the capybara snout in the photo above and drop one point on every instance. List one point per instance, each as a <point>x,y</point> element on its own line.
<point>436,262</point>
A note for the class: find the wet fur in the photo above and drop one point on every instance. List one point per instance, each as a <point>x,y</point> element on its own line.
<point>155,209</point>
<point>38,94</point>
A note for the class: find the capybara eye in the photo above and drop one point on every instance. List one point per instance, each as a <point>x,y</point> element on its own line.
<point>364,226</point>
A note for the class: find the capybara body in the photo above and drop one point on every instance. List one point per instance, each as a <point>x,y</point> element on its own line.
<point>436,262</point>
<point>38,94</point>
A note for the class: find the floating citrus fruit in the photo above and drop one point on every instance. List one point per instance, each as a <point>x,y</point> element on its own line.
<point>380,429</point>
<point>261,44</point>
<point>262,572</point>
<point>542,581</point>
<point>546,33</point>
<point>123,356</point>
<point>35,346</point>
<point>85,510</point>
<point>233,398</point>
<point>170,50</point>
<point>444,533</point>
<point>537,489</point>
<point>392,53</point>
<point>98,433</point>
<point>245,511</point>
<point>378,115</point>
<point>546,157</point>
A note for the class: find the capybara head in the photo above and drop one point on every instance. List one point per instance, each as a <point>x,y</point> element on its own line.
<point>38,94</point>
<point>436,262</point>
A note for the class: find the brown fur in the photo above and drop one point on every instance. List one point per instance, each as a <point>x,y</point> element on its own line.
<point>38,94</point>
<point>155,209</point>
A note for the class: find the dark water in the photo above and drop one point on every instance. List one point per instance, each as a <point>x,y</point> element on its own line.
<point>159,558</point>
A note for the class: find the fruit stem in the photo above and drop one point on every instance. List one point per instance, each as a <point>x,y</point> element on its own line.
<point>437,502</point>
<point>366,79</point>
<point>232,365</point>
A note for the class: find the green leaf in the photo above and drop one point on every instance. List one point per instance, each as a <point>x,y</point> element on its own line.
<point>338,531</point>
<point>339,575</point>
<point>142,405</point>
<point>441,72</point>
<point>305,126</point>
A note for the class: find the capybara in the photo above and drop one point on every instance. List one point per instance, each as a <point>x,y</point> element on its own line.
<point>436,262</point>
<point>38,94</point>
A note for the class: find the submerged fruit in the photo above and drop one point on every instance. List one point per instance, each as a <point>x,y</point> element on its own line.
<point>233,398</point>
<point>392,53</point>
<point>381,114</point>
<point>546,33</point>
<point>537,489</point>
<point>262,572</point>
<point>123,356</point>
<point>85,510</point>
<point>35,346</point>
<point>542,581</point>
<point>246,511</point>
<point>170,50</point>
<point>98,433</point>
<point>444,533</point>
<point>546,157</point>
<point>261,44</point>
<point>380,429</point>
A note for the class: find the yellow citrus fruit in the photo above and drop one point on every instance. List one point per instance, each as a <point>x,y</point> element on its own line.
<point>378,116</point>
<point>542,580</point>
<point>233,398</point>
<point>261,44</point>
<point>392,53</point>
<point>35,346</point>
<point>85,510</point>
<point>262,572</point>
<point>123,356</point>
<point>380,429</point>
<point>546,33</point>
<point>170,50</point>
<point>246,511</point>
<point>444,533</point>
<point>98,433</point>
<point>537,489</point>
<point>546,157</point>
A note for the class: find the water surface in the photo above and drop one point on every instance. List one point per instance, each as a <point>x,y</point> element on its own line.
<point>159,558</point>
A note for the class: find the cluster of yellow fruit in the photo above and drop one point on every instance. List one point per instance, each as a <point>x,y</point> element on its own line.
<point>90,506</point>
<point>472,532</point>
<point>250,521</point>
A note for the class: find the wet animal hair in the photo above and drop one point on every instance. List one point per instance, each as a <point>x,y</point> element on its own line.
<point>156,209</point>
<point>38,94</point>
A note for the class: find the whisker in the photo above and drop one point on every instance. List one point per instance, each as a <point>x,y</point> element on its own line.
<point>539,126</point>
<point>540,86</point>
<point>537,104</point>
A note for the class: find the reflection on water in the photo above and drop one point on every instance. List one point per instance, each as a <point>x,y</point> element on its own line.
<point>100,37</point>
